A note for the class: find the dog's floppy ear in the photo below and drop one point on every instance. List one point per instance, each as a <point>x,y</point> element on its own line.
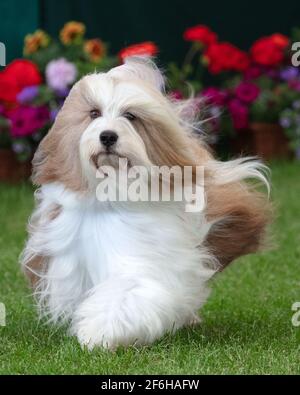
<point>141,67</point>
<point>56,159</point>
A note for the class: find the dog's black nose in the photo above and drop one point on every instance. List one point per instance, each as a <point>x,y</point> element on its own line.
<point>108,138</point>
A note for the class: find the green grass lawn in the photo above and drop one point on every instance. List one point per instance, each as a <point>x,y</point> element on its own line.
<point>246,324</point>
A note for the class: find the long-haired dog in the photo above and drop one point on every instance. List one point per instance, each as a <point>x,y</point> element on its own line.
<point>122,273</point>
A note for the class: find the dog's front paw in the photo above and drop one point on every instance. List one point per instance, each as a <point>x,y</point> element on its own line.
<point>101,326</point>
<point>91,333</point>
<point>123,313</point>
<point>109,319</point>
<point>194,321</point>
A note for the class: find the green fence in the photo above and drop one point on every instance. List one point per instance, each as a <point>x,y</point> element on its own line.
<point>122,22</point>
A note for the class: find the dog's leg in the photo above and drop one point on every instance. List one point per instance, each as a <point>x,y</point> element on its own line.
<point>126,311</point>
<point>62,287</point>
<point>50,261</point>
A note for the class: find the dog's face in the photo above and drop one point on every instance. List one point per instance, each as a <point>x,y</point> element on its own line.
<point>119,114</point>
<point>121,108</point>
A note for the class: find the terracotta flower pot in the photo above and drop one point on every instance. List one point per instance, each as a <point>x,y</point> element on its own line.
<point>266,140</point>
<point>11,170</point>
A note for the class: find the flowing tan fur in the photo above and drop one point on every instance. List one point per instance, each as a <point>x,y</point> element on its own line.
<point>239,213</point>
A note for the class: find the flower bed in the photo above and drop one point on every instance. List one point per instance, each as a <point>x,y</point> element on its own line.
<point>233,89</point>
<point>33,89</point>
<point>258,87</point>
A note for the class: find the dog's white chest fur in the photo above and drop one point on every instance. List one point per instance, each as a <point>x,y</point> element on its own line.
<point>134,259</point>
<point>134,239</point>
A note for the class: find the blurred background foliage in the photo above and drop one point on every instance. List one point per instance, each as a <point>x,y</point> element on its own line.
<point>123,22</point>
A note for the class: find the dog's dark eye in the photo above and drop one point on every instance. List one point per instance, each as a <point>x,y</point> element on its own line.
<point>95,114</point>
<point>129,116</point>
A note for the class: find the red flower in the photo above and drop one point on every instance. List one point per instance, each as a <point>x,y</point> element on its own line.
<point>25,72</point>
<point>8,87</point>
<point>269,51</point>
<point>16,76</point>
<point>280,40</point>
<point>146,48</point>
<point>200,33</point>
<point>223,56</point>
<point>252,72</point>
<point>240,60</point>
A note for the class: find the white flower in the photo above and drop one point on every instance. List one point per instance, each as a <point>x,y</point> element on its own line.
<point>60,74</point>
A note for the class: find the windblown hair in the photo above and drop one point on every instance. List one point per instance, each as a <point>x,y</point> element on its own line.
<point>238,212</point>
<point>72,274</point>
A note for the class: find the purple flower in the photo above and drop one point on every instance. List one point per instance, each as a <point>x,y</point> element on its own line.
<point>63,93</point>
<point>41,116</point>
<point>27,120</point>
<point>296,104</point>
<point>285,122</point>
<point>214,96</point>
<point>2,109</point>
<point>53,114</point>
<point>239,113</point>
<point>247,92</point>
<point>28,94</point>
<point>60,74</point>
<point>19,147</point>
<point>289,73</point>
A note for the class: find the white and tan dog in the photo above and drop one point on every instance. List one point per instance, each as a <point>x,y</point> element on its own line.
<point>122,273</point>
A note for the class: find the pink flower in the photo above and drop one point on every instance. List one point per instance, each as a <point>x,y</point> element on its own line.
<point>247,92</point>
<point>295,85</point>
<point>27,120</point>
<point>214,96</point>
<point>239,113</point>
<point>60,74</point>
<point>176,95</point>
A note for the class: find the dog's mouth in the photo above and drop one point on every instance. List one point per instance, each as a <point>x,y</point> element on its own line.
<point>109,158</point>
